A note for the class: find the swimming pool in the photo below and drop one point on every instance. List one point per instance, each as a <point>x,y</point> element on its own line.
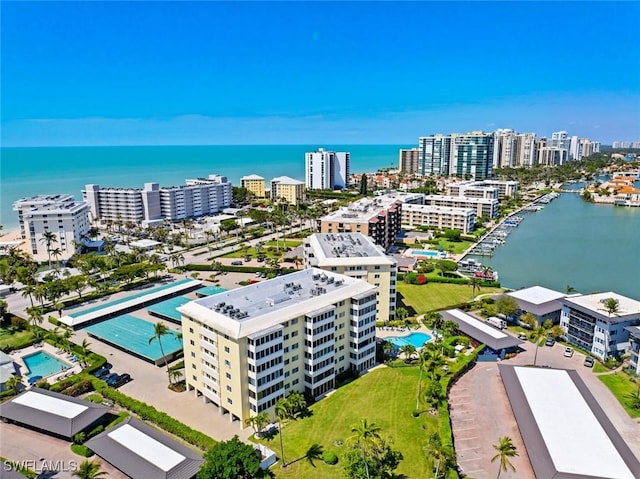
<point>43,364</point>
<point>132,334</point>
<point>167,308</point>
<point>416,340</point>
<point>429,253</point>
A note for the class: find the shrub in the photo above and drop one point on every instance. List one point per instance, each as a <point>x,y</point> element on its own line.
<point>79,438</point>
<point>53,321</point>
<point>330,457</point>
<point>80,450</point>
<point>79,388</point>
<point>421,279</point>
<point>95,431</point>
<point>19,323</point>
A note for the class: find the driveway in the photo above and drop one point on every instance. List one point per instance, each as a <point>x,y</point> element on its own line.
<point>481,413</point>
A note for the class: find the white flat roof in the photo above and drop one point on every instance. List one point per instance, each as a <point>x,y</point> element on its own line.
<point>575,439</point>
<point>536,295</point>
<point>51,405</point>
<point>594,302</point>
<point>146,447</point>
<point>476,323</point>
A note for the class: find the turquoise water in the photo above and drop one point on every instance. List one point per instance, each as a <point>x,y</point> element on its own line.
<point>43,364</point>
<point>132,334</point>
<point>128,298</point>
<point>168,307</point>
<point>416,340</point>
<point>33,171</point>
<point>573,243</point>
<point>209,291</point>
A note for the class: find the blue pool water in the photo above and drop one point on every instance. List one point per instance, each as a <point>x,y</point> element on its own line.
<point>167,308</point>
<point>132,334</point>
<point>429,253</point>
<point>415,339</point>
<point>209,291</point>
<point>43,364</point>
<point>128,298</point>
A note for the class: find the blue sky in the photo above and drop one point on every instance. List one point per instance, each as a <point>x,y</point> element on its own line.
<point>92,73</point>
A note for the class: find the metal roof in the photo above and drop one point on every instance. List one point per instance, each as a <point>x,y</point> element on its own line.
<point>52,412</point>
<point>143,452</point>
<point>481,331</point>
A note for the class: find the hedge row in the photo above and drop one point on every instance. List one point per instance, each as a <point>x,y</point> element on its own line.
<point>161,419</point>
<point>235,269</point>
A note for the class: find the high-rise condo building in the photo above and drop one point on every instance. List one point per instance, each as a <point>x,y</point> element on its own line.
<point>409,161</point>
<point>357,256</point>
<point>560,139</point>
<point>525,156</point>
<point>327,170</point>
<point>253,184</point>
<point>246,348</point>
<point>505,147</point>
<point>61,215</point>
<point>472,155</point>
<point>151,204</point>
<point>434,155</point>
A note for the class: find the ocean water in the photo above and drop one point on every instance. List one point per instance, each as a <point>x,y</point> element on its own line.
<point>573,243</point>
<point>47,170</point>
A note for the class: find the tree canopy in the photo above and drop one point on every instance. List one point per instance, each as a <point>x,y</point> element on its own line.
<point>231,459</point>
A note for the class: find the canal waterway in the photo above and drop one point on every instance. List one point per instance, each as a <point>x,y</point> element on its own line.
<point>572,243</point>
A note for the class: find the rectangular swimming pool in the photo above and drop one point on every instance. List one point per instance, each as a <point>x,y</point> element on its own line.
<point>167,309</point>
<point>429,253</point>
<point>209,291</point>
<point>132,334</point>
<point>43,364</point>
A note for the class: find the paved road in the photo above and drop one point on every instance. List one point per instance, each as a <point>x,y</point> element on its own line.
<point>480,412</point>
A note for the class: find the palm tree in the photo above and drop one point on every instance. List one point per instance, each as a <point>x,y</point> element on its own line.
<point>408,350</point>
<point>4,307</point>
<point>474,282</point>
<point>56,253</point>
<point>611,306</point>
<point>365,435</point>
<point>159,330</point>
<point>387,347</point>
<point>84,352</point>
<point>538,334</point>
<point>282,414</point>
<point>402,313</point>
<point>505,449</point>
<point>13,382</point>
<point>258,422</point>
<point>48,239</point>
<point>89,470</point>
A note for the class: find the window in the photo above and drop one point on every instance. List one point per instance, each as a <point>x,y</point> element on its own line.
<point>195,378</point>
<point>228,375</point>
<point>229,401</point>
<point>192,342</point>
<point>191,330</point>
<point>229,389</point>
<point>227,363</point>
<point>193,355</point>
<point>226,349</point>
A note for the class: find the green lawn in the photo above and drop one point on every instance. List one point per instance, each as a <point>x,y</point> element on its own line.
<point>436,296</point>
<point>386,397</point>
<point>456,247</point>
<point>9,338</point>
<point>620,385</point>
<point>268,250</point>
<point>598,367</point>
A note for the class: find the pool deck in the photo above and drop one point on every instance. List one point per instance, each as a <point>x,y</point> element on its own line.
<point>390,332</point>
<point>17,356</point>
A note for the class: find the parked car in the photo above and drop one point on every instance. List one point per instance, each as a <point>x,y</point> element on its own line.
<point>247,259</point>
<point>236,262</point>
<point>589,362</point>
<point>121,381</point>
<point>550,341</point>
<point>568,352</point>
<point>102,372</point>
<point>110,378</point>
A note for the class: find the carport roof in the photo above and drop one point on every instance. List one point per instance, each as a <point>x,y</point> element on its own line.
<point>52,412</point>
<point>142,452</point>
<point>481,331</point>
<point>566,433</point>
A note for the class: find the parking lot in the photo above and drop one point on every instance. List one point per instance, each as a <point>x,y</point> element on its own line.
<point>481,413</point>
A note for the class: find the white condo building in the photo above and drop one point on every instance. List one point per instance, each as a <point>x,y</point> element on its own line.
<point>590,326</point>
<point>61,215</point>
<point>357,256</point>
<point>487,207</point>
<point>327,170</point>
<point>462,219</point>
<point>247,348</point>
<point>152,204</point>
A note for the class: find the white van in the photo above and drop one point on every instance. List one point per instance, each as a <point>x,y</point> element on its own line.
<point>497,322</point>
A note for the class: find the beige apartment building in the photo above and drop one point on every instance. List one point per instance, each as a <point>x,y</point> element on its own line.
<point>357,256</point>
<point>462,219</point>
<point>378,218</point>
<point>287,189</point>
<point>483,206</point>
<point>253,184</point>
<point>247,348</point>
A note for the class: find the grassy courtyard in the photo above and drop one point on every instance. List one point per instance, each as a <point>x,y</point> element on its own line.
<point>436,296</point>
<point>621,386</point>
<point>269,249</point>
<point>12,338</point>
<point>386,397</point>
